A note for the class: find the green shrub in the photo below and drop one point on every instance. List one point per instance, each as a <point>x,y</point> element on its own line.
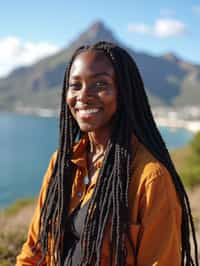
<point>190,171</point>
<point>191,176</point>
<point>4,263</point>
<point>10,246</point>
<point>17,206</point>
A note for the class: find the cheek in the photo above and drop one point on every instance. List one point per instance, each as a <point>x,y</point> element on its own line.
<point>110,99</point>
<point>70,100</point>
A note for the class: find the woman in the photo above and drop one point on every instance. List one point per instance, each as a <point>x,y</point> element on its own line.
<point>111,195</point>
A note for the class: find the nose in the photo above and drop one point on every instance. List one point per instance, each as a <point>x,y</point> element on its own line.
<point>84,93</point>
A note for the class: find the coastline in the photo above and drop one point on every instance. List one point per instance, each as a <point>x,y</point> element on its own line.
<point>166,117</point>
<point>186,117</point>
<point>37,111</point>
<point>192,126</point>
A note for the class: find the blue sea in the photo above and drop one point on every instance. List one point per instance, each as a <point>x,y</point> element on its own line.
<point>27,143</point>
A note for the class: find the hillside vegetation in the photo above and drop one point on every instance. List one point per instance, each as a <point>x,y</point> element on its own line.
<point>187,161</point>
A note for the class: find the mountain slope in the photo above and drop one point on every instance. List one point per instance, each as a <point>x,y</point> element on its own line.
<point>168,79</point>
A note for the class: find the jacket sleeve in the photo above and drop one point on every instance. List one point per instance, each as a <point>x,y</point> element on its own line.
<point>159,239</point>
<point>26,256</point>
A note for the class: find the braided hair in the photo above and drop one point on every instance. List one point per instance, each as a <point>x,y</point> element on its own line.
<point>110,197</point>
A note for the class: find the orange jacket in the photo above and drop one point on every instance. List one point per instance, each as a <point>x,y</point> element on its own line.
<point>155,212</point>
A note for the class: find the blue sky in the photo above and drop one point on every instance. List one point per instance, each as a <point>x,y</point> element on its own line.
<point>31,30</point>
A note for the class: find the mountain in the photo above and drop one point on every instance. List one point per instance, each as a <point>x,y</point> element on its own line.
<point>169,80</point>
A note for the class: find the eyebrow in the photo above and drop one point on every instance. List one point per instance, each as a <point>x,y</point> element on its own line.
<point>95,75</point>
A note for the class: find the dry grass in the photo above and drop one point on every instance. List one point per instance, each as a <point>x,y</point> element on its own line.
<point>13,230</point>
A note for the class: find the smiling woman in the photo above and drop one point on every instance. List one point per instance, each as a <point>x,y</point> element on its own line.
<point>111,195</point>
<point>92,92</point>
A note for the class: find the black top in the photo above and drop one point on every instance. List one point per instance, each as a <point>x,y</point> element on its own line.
<point>72,243</point>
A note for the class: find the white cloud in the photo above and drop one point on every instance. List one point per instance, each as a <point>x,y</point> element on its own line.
<point>165,28</point>
<point>14,52</point>
<point>162,28</point>
<point>196,10</point>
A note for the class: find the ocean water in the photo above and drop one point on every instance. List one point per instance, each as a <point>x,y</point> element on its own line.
<point>27,143</point>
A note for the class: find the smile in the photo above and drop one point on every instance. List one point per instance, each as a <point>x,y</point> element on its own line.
<point>88,111</point>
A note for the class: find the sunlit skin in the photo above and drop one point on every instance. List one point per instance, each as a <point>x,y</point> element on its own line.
<point>92,96</point>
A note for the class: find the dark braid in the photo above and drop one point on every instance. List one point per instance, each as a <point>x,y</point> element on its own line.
<point>109,203</point>
<point>145,129</point>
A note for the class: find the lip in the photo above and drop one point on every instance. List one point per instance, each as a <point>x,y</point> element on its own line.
<point>86,113</point>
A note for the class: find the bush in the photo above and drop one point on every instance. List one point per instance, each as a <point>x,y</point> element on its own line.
<point>191,176</point>
<point>190,172</point>
<point>17,206</point>
<point>10,246</point>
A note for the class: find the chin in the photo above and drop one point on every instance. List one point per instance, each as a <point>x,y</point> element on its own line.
<point>87,128</point>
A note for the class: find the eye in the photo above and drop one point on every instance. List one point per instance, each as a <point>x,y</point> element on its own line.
<point>101,84</point>
<point>75,86</point>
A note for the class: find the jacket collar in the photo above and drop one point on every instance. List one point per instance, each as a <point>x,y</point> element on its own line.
<point>79,156</point>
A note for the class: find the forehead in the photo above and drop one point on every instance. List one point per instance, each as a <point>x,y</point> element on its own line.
<point>91,63</point>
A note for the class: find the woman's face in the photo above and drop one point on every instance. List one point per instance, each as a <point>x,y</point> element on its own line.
<point>92,91</point>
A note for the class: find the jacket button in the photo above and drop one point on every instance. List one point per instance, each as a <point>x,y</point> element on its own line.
<point>79,194</point>
<point>86,180</point>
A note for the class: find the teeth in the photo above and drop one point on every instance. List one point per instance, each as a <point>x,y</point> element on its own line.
<point>88,111</point>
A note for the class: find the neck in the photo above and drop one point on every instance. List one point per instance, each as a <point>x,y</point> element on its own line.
<point>98,141</point>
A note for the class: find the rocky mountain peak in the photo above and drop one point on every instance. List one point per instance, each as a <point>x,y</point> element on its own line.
<point>97,32</point>
<point>97,27</point>
<point>172,57</point>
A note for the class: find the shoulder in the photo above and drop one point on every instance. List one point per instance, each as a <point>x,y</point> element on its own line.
<point>52,161</point>
<point>150,177</point>
<point>144,163</point>
<point>146,169</point>
<point>50,168</point>
<point>54,158</point>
